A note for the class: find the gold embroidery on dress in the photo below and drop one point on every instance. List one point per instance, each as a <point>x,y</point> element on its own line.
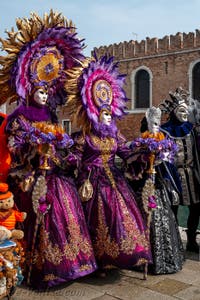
<point>132,235</point>
<point>85,268</point>
<point>50,277</point>
<point>38,259</point>
<point>46,250</point>
<point>51,252</point>
<point>76,244</point>
<point>141,261</point>
<point>105,145</point>
<point>104,244</point>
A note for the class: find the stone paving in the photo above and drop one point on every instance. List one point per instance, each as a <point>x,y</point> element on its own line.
<point>127,285</point>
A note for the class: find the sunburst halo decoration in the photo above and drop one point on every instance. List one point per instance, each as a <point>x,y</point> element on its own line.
<point>38,54</point>
<point>99,85</point>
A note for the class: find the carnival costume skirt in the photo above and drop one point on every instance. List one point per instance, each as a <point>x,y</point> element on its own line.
<point>167,248</point>
<point>58,246</point>
<point>117,230</point>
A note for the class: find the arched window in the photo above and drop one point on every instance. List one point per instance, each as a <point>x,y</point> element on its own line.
<point>141,81</point>
<point>196,81</point>
<point>142,92</point>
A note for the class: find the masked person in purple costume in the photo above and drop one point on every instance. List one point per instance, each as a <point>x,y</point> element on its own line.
<point>186,161</point>
<point>115,224</point>
<point>57,243</point>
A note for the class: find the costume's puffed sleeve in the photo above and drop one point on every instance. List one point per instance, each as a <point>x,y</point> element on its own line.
<point>135,160</point>
<point>18,146</point>
<point>123,150</point>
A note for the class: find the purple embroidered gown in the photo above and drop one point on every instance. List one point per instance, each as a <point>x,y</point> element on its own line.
<point>58,246</point>
<point>115,224</point>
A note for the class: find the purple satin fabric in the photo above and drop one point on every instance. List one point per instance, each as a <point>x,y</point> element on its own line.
<point>118,206</point>
<point>62,249</point>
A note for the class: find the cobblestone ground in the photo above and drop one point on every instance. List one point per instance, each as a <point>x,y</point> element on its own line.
<point>127,285</point>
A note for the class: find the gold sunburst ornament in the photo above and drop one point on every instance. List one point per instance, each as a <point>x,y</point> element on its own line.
<point>38,54</point>
<point>48,67</point>
<point>102,92</point>
<point>99,86</point>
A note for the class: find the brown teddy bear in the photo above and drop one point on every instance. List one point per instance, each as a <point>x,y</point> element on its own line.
<point>8,215</point>
<point>5,234</point>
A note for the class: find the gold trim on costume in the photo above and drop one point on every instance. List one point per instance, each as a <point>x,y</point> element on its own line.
<point>104,244</point>
<point>76,242</point>
<point>85,268</point>
<point>133,235</point>
<point>105,145</point>
<point>131,238</point>
<point>28,30</point>
<point>102,92</point>
<point>49,277</point>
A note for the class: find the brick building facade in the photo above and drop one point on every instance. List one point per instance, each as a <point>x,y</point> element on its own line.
<point>169,62</point>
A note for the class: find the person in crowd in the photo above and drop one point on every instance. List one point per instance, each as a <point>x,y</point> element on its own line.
<point>161,184</point>
<point>182,132</point>
<point>56,239</point>
<point>117,230</point>
<point>194,118</point>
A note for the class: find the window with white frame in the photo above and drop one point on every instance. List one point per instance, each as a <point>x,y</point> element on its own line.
<point>67,125</point>
<point>141,82</point>
<point>196,81</point>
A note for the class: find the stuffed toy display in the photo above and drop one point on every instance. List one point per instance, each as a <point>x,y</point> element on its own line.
<point>11,251</point>
<point>5,234</point>
<point>11,258</point>
<point>9,216</point>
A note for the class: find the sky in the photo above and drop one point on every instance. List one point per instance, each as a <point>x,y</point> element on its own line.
<point>105,22</point>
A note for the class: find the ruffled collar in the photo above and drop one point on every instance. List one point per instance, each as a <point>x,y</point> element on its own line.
<point>176,128</point>
<point>33,112</point>
<point>102,130</point>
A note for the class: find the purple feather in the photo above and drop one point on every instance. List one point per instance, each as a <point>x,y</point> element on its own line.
<point>70,49</point>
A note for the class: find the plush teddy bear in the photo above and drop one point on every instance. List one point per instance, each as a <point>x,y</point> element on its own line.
<point>5,234</point>
<point>8,215</point>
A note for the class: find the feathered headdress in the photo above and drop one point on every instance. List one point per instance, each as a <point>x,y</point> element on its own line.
<point>99,86</point>
<point>39,54</point>
<point>180,96</point>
